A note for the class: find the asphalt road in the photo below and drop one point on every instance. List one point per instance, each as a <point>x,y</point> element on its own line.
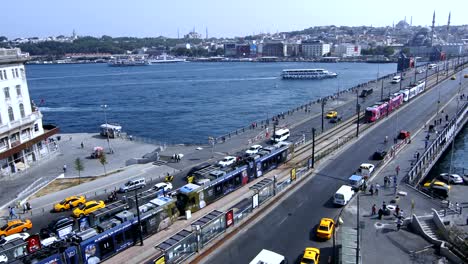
<point>346,110</point>
<point>289,228</point>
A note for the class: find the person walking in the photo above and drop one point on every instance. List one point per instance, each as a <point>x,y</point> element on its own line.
<point>82,145</point>
<point>397,170</point>
<point>397,211</point>
<point>28,205</point>
<point>399,223</point>
<point>394,180</point>
<point>377,186</point>
<point>371,189</point>
<point>25,208</point>
<point>12,213</point>
<point>380,213</point>
<point>384,206</point>
<point>374,210</point>
<point>446,118</point>
<point>64,168</point>
<point>395,189</point>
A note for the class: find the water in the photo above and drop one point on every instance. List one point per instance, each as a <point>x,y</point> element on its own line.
<point>460,154</point>
<point>180,103</point>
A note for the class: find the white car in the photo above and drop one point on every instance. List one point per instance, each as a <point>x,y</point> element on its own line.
<point>9,238</point>
<point>49,241</point>
<point>366,169</point>
<point>3,259</point>
<point>253,149</point>
<point>451,178</point>
<point>166,186</point>
<point>227,161</point>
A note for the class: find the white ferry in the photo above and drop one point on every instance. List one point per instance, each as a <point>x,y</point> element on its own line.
<point>307,74</point>
<point>164,58</point>
<point>125,61</point>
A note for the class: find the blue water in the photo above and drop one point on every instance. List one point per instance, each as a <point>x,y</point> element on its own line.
<point>180,103</point>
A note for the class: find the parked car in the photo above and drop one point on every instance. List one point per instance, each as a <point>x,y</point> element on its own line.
<point>451,178</point>
<point>227,161</point>
<point>15,226</point>
<point>379,155</point>
<point>311,256</point>
<point>56,225</point>
<point>69,202</point>
<point>326,228</point>
<point>166,186</point>
<point>253,149</point>
<point>332,114</point>
<point>14,236</point>
<point>453,77</point>
<point>88,208</point>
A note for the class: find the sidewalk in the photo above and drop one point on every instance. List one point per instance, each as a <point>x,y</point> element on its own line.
<point>380,237</point>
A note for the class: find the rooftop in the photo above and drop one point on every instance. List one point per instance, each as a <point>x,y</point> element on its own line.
<point>12,56</point>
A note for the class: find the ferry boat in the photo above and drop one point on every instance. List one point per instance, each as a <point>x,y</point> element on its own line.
<point>128,61</point>
<point>164,58</point>
<point>307,74</point>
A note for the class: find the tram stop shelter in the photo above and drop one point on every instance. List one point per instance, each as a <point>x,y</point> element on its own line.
<point>178,248</point>
<point>264,189</point>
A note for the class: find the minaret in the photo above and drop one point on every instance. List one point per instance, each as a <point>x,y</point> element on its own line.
<point>432,31</point>
<point>178,36</point>
<point>448,26</point>
<point>411,21</point>
<point>206,33</point>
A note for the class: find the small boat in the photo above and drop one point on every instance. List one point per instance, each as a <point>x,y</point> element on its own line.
<point>307,74</point>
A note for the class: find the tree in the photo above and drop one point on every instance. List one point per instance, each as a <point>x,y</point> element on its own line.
<point>3,38</point>
<point>103,161</point>
<point>79,167</point>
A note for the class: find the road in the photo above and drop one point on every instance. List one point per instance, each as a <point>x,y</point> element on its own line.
<point>289,228</point>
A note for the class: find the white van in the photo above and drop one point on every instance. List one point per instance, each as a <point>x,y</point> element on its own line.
<point>343,195</point>
<point>268,257</point>
<point>396,79</point>
<point>133,185</point>
<point>281,135</point>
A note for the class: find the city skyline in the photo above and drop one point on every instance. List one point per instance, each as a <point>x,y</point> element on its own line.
<point>156,18</point>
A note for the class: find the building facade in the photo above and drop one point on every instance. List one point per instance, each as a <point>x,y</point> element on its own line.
<point>347,50</point>
<point>23,139</point>
<point>314,49</point>
<point>273,49</point>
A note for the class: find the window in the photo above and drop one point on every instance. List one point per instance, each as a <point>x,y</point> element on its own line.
<point>1,75</point>
<point>18,90</point>
<point>5,75</point>
<point>13,73</point>
<point>36,127</point>
<point>6,91</point>
<point>16,73</point>
<point>21,107</point>
<point>10,114</point>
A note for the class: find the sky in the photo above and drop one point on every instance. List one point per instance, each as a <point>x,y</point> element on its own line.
<point>152,18</point>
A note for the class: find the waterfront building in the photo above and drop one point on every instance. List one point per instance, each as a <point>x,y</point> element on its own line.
<point>23,140</point>
<point>243,50</point>
<point>347,50</point>
<point>230,50</point>
<point>314,49</point>
<point>273,49</point>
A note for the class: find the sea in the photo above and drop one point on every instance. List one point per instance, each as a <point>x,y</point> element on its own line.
<point>189,102</point>
<point>181,102</point>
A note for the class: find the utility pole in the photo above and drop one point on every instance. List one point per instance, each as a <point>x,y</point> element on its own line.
<point>104,107</point>
<point>358,231</point>
<point>401,80</point>
<point>437,69</point>
<point>381,91</point>
<point>140,235</point>
<point>358,108</point>
<point>313,147</point>
<point>427,69</point>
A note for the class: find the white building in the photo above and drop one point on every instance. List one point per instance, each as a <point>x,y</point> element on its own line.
<point>315,49</point>
<point>22,137</point>
<point>347,50</point>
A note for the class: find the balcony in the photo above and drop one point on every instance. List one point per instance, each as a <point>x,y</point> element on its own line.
<point>23,121</point>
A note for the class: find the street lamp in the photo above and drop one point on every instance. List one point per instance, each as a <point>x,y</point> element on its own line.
<point>324,102</point>
<point>140,233</point>
<point>313,147</point>
<point>104,107</point>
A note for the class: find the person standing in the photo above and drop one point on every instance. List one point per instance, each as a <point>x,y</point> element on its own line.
<point>397,170</point>
<point>28,205</point>
<point>399,223</point>
<point>64,168</point>
<point>374,209</point>
<point>25,208</point>
<point>397,211</point>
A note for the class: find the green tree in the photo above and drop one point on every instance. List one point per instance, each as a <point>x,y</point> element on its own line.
<point>79,167</point>
<point>3,38</point>
<point>103,161</point>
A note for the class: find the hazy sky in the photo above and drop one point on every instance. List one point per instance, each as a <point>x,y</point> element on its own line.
<point>140,18</point>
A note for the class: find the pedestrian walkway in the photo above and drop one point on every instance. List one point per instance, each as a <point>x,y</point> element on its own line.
<point>381,237</point>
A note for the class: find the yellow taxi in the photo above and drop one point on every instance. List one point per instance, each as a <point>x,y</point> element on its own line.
<point>15,226</point>
<point>69,203</point>
<point>311,256</point>
<point>88,208</point>
<point>332,114</point>
<point>326,228</point>
<point>453,77</point>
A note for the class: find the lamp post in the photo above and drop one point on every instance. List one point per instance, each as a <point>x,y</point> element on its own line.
<point>104,107</point>
<point>313,147</point>
<point>401,81</point>
<point>323,109</point>
<point>381,91</point>
<point>140,235</point>
<point>358,108</point>
<point>358,231</point>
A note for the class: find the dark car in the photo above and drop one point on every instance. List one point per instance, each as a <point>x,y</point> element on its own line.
<point>379,155</point>
<point>366,92</point>
<point>56,225</point>
<point>335,119</point>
